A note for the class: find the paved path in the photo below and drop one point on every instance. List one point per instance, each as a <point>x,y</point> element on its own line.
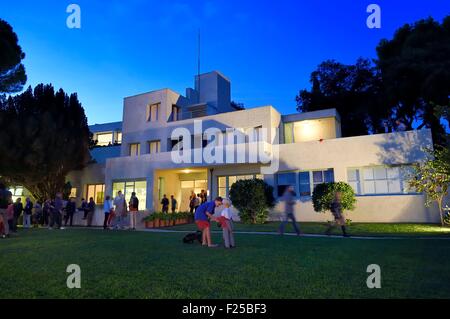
<point>292,234</point>
<point>265,233</point>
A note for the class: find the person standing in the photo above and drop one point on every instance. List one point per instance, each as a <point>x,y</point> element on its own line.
<point>107,208</point>
<point>203,196</point>
<point>165,204</point>
<point>134,208</point>
<point>121,210</point>
<point>70,210</point>
<point>91,212</point>
<point>289,203</point>
<point>18,209</point>
<point>173,204</point>
<point>84,207</point>
<point>202,216</point>
<point>46,212</point>
<point>37,214</point>
<point>191,202</point>
<point>56,209</point>
<point>339,218</point>
<point>27,212</point>
<point>227,225</point>
<point>5,202</point>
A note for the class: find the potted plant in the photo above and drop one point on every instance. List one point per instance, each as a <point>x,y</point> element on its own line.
<point>156,220</point>
<point>149,221</point>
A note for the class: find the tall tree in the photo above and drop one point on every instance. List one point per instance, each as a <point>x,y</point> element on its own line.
<point>354,90</point>
<point>47,137</point>
<point>415,67</point>
<point>12,71</point>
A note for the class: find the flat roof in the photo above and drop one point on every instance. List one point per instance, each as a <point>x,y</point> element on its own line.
<point>106,127</point>
<point>313,115</point>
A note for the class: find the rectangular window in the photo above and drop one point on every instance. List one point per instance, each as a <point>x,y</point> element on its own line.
<point>97,192</point>
<point>320,177</point>
<point>304,184</point>
<point>175,116</point>
<point>119,138</point>
<point>73,192</point>
<point>285,180</point>
<point>139,187</point>
<point>379,180</point>
<point>153,112</point>
<point>135,149</point>
<point>224,183</point>
<point>104,139</point>
<point>288,133</point>
<point>154,147</point>
<point>353,178</point>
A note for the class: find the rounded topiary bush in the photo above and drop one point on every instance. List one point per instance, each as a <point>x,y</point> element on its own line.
<point>253,198</point>
<point>323,196</point>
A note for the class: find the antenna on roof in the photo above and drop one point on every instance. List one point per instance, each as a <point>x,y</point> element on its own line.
<point>198,66</point>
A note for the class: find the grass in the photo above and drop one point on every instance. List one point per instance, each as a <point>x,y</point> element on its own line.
<point>158,265</point>
<point>356,229</point>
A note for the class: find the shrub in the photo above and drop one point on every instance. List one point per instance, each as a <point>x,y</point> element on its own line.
<point>323,196</point>
<point>253,198</point>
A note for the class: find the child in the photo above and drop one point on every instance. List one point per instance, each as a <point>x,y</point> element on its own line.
<point>226,222</point>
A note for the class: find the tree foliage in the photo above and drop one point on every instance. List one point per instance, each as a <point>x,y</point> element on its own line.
<point>353,90</point>
<point>12,71</point>
<point>253,198</point>
<point>415,67</point>
<point>432,177</point>
<point>410,76</point>
<point>324,194</point>
<point>47,137</point>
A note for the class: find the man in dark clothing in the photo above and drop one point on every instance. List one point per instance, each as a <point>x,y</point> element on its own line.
<point>165,204</point>
<point>57,207</point>
<point>70,210</point>
<point>91,211</point>
<point>5,201</point>
<point>173,204</point>
<point>18,209</point>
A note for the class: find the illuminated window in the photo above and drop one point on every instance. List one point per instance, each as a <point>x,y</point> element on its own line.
<point>104,139</point>
<point>139,187</point>
<point>135,149</point>
<point>73,192</point>
<point>154,147</point>
<point>119,138</point>
<point>96,191</point>
<point>153,112</point>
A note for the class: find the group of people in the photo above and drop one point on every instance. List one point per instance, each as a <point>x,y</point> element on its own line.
<point>118,214</point>
<point>195,200</point>
<point>54,212</point>
<point>336,209</point>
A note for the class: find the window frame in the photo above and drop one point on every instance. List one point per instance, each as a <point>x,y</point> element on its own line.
<point>158,147</point>
<point>138,149</point>
<point>227,181</point>
<point>149,112</point>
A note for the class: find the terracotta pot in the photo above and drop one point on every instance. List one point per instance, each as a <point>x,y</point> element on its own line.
<point>149,224</point>
<point>156,223</point>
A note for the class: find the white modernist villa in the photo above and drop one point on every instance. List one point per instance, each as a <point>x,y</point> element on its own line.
<point>303,149</point>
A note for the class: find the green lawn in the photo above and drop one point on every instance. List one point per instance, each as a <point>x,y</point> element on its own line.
<point>157,265</point>
<point>356,229</point>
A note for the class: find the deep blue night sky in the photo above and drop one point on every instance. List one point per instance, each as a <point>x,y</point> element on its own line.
<point>267,48</point>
